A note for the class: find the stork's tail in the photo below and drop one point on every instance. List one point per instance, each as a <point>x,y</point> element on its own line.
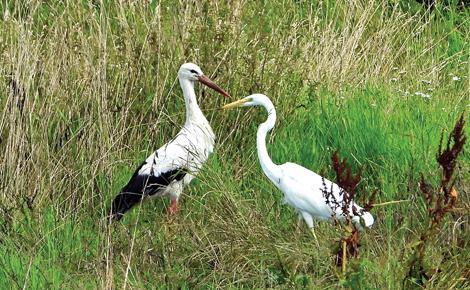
<point>123,202</point>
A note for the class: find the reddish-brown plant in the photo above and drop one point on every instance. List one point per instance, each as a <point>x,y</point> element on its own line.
<point>347,181</point>
<point>439,200</point>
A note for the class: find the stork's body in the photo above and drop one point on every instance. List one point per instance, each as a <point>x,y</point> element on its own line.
<point>175,164</point>
<point>303,189</point>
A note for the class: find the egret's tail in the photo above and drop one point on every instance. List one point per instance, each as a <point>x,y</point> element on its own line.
<point>364,220</point>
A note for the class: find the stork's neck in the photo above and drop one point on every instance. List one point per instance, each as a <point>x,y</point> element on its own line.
<point>193,112</point>
<point>271,170</point>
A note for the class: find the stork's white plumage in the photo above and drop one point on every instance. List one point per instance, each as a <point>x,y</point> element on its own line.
<point>303,189</point>
<point>175,164</point>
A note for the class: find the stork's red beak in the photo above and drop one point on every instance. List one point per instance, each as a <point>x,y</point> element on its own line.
<point>208,82</point>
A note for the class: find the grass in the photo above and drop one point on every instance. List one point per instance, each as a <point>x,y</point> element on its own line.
<point>98,92</point>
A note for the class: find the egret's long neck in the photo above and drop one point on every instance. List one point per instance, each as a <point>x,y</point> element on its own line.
<point>193,112</point>
<point>271,170</point>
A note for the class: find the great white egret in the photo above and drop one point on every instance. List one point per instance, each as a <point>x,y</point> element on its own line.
<point>175,164</point>
<point>303,189</point>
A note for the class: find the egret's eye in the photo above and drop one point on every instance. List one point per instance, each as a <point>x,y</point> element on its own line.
<point>193,71</point>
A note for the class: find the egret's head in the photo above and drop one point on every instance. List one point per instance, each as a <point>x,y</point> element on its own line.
<point>250,101</point>
<point>365,220</point>
<point>193,72</point>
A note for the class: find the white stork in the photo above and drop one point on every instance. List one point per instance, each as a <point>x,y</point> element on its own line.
<point>172,166</point>
<point>303,189</point>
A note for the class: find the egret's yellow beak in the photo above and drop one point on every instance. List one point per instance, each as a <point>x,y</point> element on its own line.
<point>236,103</point>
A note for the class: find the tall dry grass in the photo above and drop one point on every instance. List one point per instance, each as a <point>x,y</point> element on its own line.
<point>89,88</point>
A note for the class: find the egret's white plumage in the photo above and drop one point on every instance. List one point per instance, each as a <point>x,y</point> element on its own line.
<point>167,170</point>
<point>303,189</point>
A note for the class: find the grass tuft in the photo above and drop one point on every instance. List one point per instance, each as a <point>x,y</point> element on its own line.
<point>89,89</point>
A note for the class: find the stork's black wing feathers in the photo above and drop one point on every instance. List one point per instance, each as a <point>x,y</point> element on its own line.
<point>141,185</point>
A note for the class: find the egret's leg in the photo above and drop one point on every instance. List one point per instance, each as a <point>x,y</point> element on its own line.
<point>298,226</point>
<point>309,221</point>
<point>299,221</point>
<point>312,230</point>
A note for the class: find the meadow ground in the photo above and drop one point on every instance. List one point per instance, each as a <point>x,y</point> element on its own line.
<point>89,89</point>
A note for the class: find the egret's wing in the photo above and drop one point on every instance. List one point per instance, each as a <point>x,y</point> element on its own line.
<point>305,190</point>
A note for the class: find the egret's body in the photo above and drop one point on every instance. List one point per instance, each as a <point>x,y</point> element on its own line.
<point>172,166</point>
<point>303,189</point>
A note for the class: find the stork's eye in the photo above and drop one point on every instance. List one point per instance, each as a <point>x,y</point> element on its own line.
<point>193,71</point>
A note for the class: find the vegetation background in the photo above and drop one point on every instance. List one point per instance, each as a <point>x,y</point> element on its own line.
<point>89,89</point>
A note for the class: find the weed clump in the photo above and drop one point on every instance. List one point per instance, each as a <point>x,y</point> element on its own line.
<point>439,201</point>
<point>347,181</point>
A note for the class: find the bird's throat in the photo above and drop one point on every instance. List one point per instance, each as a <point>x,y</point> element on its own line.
<point>193,112</point>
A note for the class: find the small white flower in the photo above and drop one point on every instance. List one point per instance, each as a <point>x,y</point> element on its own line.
<point>455,78</point>
<point>423,95</point>
<point>393,80</point>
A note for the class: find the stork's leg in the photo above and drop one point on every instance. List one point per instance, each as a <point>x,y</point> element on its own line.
<point>309,221</point>
<point>174,196</point>
<point>173,208</point>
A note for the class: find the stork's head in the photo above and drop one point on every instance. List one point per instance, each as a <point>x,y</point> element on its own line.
<point>364,220</point>
<point>190,71</point>
<point>193,72</point>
